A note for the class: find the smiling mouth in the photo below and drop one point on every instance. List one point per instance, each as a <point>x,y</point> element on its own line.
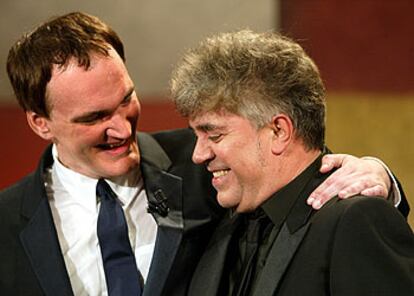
<point>112,145</point>
<point>220,173</point>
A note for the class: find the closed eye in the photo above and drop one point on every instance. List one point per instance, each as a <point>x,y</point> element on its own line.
<point>91,118</point>
<point>215,138</point>
<point>127,99</point>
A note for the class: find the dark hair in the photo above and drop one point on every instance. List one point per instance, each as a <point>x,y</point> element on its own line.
<point>31,59</point>
<point>256,76</point>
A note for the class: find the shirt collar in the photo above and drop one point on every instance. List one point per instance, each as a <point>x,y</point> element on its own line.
<point>83,188</point>
<point>279,205</point>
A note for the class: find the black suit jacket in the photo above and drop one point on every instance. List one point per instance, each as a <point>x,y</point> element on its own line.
<point>31,262</point>
<point>357,246</point>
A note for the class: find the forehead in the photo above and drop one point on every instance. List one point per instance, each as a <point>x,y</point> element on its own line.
<point>73,84</point>
<point>101,67</point>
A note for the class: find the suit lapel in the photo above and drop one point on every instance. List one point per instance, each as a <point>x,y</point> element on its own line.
<point>41,245</point>
<point>39,238</point>
<point>161,184</point>
<point>291,234</point>
<point>280,255</point>
<point>209,272</point>
<point>170,228</point>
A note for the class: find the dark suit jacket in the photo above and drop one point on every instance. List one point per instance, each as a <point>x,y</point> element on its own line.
<point>30,259</point>
<point>357,246</point>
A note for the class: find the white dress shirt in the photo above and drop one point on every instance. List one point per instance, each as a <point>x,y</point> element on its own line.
<point>72,198</point>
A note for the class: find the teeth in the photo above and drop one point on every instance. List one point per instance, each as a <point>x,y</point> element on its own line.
<point>217,174</point>
<point>115,145</point>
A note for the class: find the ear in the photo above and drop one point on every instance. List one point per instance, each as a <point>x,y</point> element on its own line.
<point>282,127</point>
<point>39,124</point>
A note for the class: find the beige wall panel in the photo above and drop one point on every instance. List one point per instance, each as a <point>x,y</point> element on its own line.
<point>377,125</point>
<point>155,32</point>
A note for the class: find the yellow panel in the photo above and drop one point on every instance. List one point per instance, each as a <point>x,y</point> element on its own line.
<point>376,125</point>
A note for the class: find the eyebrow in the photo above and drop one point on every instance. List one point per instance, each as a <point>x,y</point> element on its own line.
<point>90,116</point>
<point>207,127</point>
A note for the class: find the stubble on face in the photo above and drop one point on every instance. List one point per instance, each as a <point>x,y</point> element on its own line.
<point>235,152</point>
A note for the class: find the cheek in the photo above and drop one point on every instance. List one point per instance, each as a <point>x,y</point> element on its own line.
<point>248,173</point>
<point>86,137</point>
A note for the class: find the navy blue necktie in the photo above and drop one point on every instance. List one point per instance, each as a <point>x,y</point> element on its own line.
<point>121,272</point>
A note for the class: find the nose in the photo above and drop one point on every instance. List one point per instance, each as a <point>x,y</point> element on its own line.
<point>119,127</point>
<point>202,152</point>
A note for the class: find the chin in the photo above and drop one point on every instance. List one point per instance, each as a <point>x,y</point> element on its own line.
<point>119,169</point>
<point>243,209</point>
<point>226,202</point>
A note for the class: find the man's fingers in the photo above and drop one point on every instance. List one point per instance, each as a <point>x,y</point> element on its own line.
<point>326,191</point>
<point>344,189</point>
<point>354,187</point>
<point>331,161</point>
<point>377,190</point>
<point>349,191</point>
<point>314,203</point>
<point>353,176</point>
<point>363,186</point>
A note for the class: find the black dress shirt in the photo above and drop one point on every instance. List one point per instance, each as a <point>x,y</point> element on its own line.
<point>271,215</point>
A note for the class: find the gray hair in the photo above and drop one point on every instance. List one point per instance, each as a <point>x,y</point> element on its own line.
<point>256,76</point>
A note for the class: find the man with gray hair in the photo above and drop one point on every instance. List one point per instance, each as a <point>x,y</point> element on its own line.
<point>257,105</point>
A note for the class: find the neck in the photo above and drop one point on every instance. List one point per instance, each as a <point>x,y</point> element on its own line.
<point>131,179</point>
<point>299,162</point>
<point>290,164</point>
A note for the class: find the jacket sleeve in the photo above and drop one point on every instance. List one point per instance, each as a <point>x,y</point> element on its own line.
<point>403,206</point>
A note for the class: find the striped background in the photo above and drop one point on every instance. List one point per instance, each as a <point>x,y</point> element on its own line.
<point>365,51</point>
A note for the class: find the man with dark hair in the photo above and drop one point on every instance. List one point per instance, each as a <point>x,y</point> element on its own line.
<point>70,78</point>
<point>106,211</point>
<point>257,105</point>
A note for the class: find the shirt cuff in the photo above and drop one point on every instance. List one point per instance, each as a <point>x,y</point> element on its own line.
<point>394,194</point>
